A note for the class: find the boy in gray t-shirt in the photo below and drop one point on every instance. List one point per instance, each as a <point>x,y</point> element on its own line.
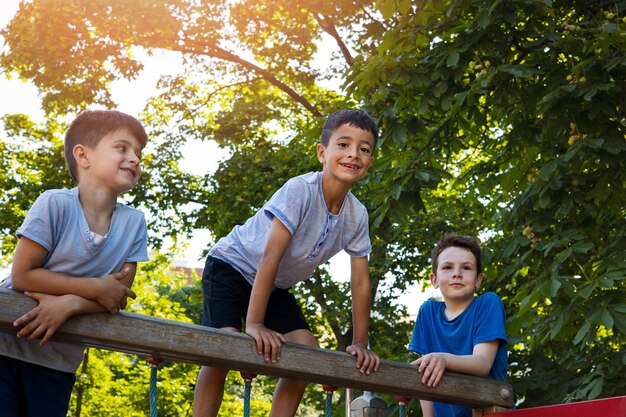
<point>77,253</point>
<point>248,273</point>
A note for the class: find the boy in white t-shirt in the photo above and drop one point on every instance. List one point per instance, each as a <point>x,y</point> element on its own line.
<point>248,273</point>
<point>77,253</point>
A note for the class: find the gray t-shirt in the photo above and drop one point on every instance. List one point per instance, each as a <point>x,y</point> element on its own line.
<point>316,234</point>
<point>56,221</point>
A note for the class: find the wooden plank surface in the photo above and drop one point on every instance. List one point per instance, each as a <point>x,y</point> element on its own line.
<point>153,337</point>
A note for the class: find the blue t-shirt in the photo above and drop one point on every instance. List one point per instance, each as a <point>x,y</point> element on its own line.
<point>56,221</point>
<point>316,234</point>
<point>482,321</point>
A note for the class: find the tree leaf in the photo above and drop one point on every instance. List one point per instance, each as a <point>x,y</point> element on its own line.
<point>452,59</point>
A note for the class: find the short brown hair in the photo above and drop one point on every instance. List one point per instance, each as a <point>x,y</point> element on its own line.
<point>352,117</point>
<point>455,240</point>
<point>90,126</point>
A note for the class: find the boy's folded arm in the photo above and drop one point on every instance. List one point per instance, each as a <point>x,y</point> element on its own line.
<point>50,313</point>
<point>27,274</point>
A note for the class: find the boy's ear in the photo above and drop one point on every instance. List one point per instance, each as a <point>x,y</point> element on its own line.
<point>479,280</point>
<point>433,280</point>
<point>81,156</point>
<point>321,150</point>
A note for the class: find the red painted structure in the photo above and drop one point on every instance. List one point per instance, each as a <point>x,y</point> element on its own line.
<point>606,407</point>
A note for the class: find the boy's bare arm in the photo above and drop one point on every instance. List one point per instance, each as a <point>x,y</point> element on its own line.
<point>361,289</point>
<point>28,275</point>
<point>269,343</point>
<point>52,310</point>
<point>433,365</point>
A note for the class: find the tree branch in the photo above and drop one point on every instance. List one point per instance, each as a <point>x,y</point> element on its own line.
<point>329,27</point>
<point>221,53</point>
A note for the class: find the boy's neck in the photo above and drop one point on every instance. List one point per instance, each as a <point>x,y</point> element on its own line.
<point>334,194</point>
<point>455,307</point>
<point>98,208</point>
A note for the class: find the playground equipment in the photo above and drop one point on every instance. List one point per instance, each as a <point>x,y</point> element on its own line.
<point>158,339</point>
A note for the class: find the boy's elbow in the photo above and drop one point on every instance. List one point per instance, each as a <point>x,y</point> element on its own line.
<point>18,282</point>
<point>484,368</point>
<point>17,286</point>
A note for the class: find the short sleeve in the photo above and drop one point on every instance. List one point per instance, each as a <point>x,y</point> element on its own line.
<point>41,221</point>
<point>360,245</point>
<point>289,203</point>
<point>490,320</point>
<point>139,249</point>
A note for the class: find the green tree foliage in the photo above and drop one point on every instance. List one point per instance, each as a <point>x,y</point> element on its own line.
<point>501,119</point>
<point>521,104</point>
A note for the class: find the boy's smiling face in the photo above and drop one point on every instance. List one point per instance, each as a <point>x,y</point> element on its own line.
<point>115,162</point>
<point>348,155</point>
<point>456,276</point>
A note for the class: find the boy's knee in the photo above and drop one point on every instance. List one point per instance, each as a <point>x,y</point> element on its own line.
<point>302,337</point>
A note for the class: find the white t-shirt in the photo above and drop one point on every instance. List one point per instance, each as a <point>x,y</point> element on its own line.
<point>316,234</point>
<point>56,221</point>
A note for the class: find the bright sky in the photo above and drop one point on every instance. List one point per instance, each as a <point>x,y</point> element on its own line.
<point>17,96</point>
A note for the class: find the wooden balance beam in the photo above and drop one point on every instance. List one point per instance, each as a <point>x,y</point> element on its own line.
<point>159,338</point>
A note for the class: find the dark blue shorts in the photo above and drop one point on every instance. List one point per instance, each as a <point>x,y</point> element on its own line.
<point>227,295</point>
<point>29,390</point>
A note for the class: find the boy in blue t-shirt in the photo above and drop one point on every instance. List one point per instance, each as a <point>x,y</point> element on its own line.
<point>248,273</point>
<point>463,333</point>
<point>77,253</point>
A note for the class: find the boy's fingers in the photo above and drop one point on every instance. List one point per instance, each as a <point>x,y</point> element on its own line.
<point>274,346</point>
<point>365,363</point>
<point>267,349</point>
<point>361,361</point>
<point>25,319</point>
<point>259,345</point>
<point>374,363</point>
<point>435,378</point>
<point>46,337</point>
<point>23,332</point>
<point>371,362</point>
<point>425,375</point>
<point>431,376</point>
<point>36,333</point>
